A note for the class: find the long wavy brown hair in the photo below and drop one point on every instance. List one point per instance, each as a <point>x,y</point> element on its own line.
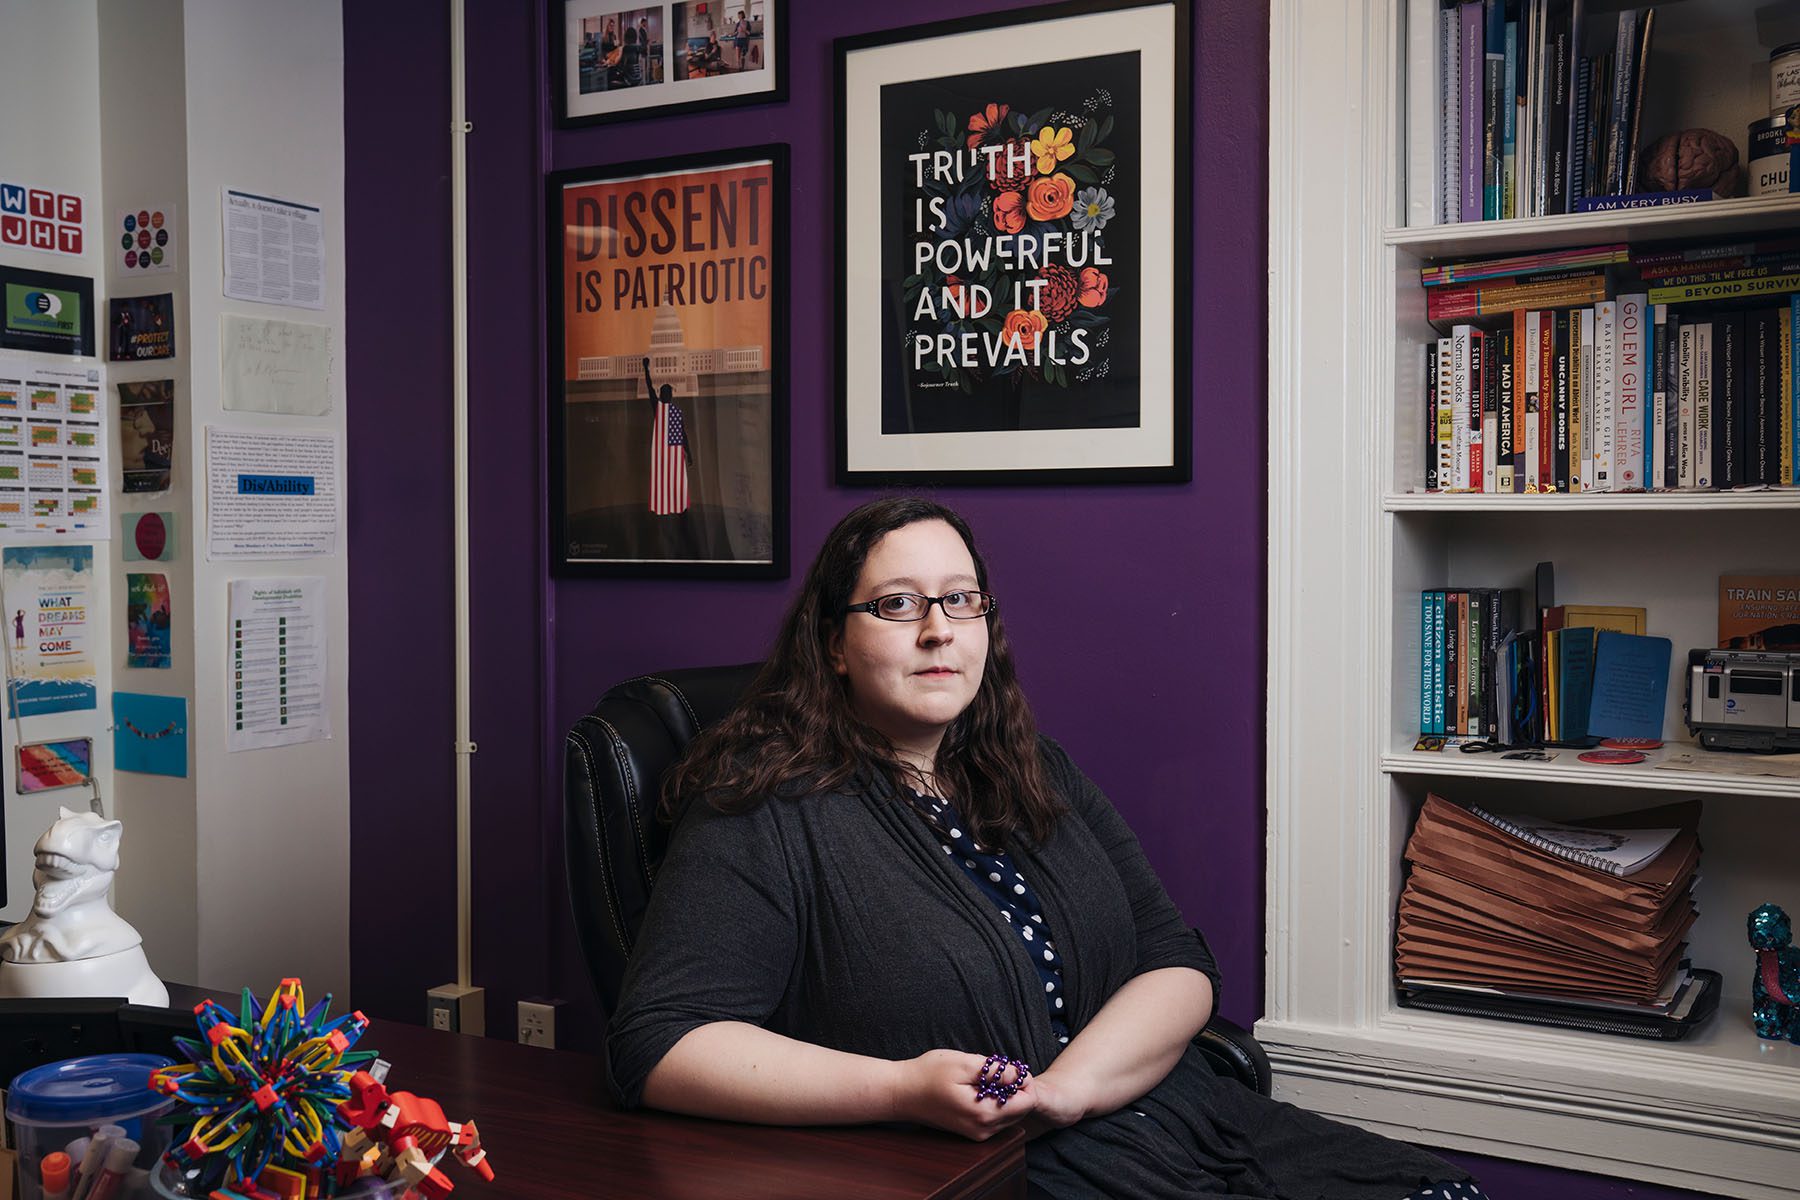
<point>795,734</point>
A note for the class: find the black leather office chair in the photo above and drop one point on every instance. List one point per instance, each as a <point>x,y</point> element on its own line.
<point>614,763</point>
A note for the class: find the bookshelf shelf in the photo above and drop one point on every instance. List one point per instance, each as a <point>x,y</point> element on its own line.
<point>1637,502</point>
<point>1568,769</point>
<point>1350,550</point>
<point>1713,218</point>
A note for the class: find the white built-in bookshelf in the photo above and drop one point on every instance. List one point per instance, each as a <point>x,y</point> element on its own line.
<point>1353,541</point>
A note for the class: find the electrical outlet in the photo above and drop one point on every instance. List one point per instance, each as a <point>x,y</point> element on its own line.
<point>456,1009</point>
<point>537,1023</point>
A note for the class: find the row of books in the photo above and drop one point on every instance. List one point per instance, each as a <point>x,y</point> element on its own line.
<point>1583,673</point>
<point>1622,395</point>
<point>1589,914</point>
<point>1529,126</point>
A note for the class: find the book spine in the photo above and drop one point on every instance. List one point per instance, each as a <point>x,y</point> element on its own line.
<point>1476,640</point>
<point>1532,405</point>
<point>1509,127</point>
<point>1763,343</point>
<point>1449,89</point>
<point>1559,73</point>
<point>1546,451</point>
<point>1640,81</point>
<point>1446,416</point>
<point>1462,662</point>
<point>1652,410</point>
<point>1493,42</point>
<point>1619,103</point>
<point>1578,124</point>
<point>1437,663</point>
<point>1560,398</point>
<point>1490,663</point>
<point>1766,270</point>
<point>1582,258</point>
<point>1431,418</point>
<point>1447,306</point>
<point>1424,206</point>
<point>1615,203</point>
<point>1425,656</point>
<point>1606,335</point>
<point>1704,432</point>
<point>1727,289</point>
<point>1470,77</point>
<point>1490,416</point>
<point>1670,349</point>
<point>1524,411</point>
<point>1728,400</point>
<point>1460,387</point>
<point>1452,656</point>
<point>1686,399</point>
<point>1477,449</point>
<point>1598,91</point>
<point>1790,393</point>
<point>1505,448</point>
<point>1539,104</point>
<point>1628,390</point>
<point>1656,476</point>
<point>1581,399</point>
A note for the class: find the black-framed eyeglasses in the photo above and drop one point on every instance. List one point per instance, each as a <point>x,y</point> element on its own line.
<point>911,606</point>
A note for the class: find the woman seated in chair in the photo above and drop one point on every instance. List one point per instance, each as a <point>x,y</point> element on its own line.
<point>886,894</point>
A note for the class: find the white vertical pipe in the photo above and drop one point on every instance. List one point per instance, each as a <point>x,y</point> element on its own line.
<point>459,424</point>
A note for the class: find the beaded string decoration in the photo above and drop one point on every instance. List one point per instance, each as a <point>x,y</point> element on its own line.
<point>260,1091</point>
<point>989,1085</point>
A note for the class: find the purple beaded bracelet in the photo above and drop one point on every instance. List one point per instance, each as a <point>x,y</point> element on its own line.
<point>988,1084</point>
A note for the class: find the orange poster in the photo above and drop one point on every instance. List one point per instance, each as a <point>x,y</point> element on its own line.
<point>664,355</point>
<point>1759,612</point>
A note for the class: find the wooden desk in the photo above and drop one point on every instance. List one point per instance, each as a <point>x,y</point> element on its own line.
<point>554,1134</point>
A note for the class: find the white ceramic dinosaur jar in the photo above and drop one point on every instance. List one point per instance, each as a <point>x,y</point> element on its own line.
<point>73,943</point>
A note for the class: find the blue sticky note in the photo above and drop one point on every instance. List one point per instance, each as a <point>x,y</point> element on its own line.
<point>1631,685</point>
<point>150,734</point>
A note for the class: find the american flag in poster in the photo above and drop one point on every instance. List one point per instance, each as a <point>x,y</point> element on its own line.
<point>668,461</point>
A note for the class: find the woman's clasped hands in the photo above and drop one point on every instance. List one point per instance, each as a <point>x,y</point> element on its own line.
<point>976,1096</point>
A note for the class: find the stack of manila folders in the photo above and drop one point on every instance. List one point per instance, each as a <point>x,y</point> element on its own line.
<point>1593,914</point>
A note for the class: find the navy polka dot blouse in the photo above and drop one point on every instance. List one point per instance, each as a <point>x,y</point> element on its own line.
<point>994,873</point>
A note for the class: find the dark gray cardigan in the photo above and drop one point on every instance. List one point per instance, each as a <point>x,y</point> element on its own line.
<point>839,920</point>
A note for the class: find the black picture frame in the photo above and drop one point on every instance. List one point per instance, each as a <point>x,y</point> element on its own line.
<point>574,534</point>
<point>889,432</point>
<point>575,108</point>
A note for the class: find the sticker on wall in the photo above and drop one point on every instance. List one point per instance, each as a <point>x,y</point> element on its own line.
<point>46,312</point>
<point>141,328</point>
<point>38,218</point>
<point>147,434</point>
<point>48,766</point>
<point>144,240</point>
<point>48,590</point>
<point>150,734</point>
<point>147,622</point>
<point>148,537</point>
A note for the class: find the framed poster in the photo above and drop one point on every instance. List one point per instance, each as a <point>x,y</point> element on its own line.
<point>1013,250</point>
<point>668,367</point>
<point>618,59</point>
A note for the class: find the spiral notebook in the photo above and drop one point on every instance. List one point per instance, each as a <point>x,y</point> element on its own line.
<point>1619,852</point>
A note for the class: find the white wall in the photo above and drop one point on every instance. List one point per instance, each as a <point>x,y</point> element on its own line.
<point>265,114</point>
<point>49,89</point>
<point>240,874</point>
<point>144,161</point>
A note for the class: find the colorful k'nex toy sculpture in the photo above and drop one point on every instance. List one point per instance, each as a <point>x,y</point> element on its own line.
<point>278,1108</point>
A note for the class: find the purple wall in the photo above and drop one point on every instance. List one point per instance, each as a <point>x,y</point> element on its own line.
<point>1160,700</point>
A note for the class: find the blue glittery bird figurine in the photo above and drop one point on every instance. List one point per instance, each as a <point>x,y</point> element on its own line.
<point>1775,991</point>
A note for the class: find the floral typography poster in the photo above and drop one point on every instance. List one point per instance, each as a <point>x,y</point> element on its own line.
<point>1013,255</point>
<point>667,364</point>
